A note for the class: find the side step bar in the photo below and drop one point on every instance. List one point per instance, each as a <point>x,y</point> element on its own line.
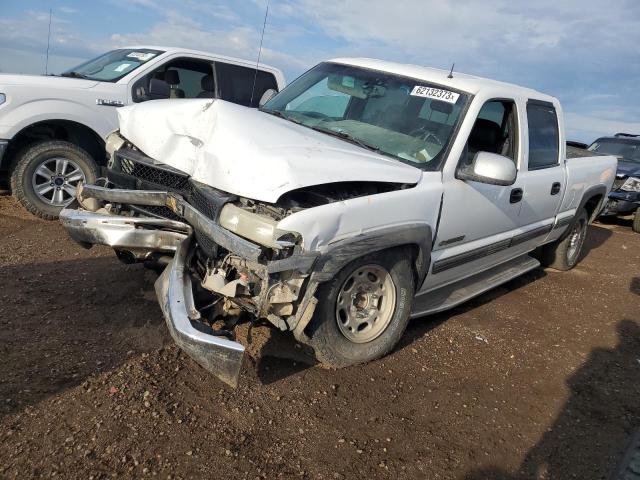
<point>444,298</point>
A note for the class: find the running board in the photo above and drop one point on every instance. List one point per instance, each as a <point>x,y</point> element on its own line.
<point>449,296</point>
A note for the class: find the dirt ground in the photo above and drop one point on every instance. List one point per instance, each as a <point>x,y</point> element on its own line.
<point>537,379</point>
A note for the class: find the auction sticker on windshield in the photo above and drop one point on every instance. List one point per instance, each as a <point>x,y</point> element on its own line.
<point>435,93</point>
<point>142,56</point>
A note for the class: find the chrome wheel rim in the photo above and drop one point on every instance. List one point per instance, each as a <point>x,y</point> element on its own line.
<point>365,303</point>
<point>576,239</point>
<point>56,180</point>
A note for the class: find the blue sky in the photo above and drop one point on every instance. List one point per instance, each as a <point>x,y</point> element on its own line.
<point>585,52</point>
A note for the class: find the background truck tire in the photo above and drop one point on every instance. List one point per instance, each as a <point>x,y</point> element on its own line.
<point>65,163</point>
<point>566,253</point>
<point>636,221</point>
<point>330,342</point>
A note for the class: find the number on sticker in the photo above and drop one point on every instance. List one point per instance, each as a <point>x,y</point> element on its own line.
<point>435,93</point>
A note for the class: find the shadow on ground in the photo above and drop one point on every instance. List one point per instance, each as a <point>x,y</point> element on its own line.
<point>603,404</point>
<point>64,321</point>
<point>596,236</point>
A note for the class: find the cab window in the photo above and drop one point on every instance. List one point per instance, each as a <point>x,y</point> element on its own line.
<point>186,77</point>
<point>544,137</point>
<point>236,83</point>
<point>494,131</point>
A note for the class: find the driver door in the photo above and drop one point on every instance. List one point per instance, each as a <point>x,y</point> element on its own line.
<point>478,220</point>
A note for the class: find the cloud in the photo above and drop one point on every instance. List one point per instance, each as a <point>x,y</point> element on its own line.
<point>179,31</point>
<point>588,128</point>
<point>585,53</point>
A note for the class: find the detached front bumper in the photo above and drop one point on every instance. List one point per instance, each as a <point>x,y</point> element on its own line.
<point>621,203</point>
<point>134,234</point>
<point>218,355</point>
<point>141,236</point>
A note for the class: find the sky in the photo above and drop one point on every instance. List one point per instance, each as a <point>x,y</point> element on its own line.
<point>585,52</point>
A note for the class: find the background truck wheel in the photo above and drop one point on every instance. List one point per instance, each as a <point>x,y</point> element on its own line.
<point>565,254</point>
<point>364,310</point>
<point>636,221</point>
<point>44,176</point>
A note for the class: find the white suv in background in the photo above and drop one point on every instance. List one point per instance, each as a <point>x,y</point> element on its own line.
<point>53,128</point>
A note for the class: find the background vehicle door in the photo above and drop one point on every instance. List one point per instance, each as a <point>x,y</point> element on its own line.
<point>543,175</point>
<point>478,220</point>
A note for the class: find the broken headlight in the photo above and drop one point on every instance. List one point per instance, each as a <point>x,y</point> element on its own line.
<point>113,143</point>
<point>631,185</point>
<point>258,228</point>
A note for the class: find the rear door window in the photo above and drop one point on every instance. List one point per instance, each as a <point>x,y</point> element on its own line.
<point>235,84</point>
<point>544,135</point>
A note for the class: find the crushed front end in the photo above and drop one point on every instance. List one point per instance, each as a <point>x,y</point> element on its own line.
<point>223,258</point>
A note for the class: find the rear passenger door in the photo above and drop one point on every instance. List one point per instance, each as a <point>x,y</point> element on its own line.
<point>543,176</point>
<point>243,85</point>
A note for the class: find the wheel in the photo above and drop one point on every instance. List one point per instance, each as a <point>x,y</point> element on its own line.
<point>564,254</point>
<point>636,221</point>
<point>364,310</point>
<point>44,176</point>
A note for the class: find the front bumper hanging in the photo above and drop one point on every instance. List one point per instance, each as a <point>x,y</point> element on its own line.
<point>146,236</point>
<point>218,355</point>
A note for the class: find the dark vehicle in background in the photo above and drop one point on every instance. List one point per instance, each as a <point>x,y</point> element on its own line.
<point>624,198</point>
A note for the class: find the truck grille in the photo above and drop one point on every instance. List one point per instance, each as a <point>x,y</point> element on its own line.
<point>148,176</point>
<point>156,175</point>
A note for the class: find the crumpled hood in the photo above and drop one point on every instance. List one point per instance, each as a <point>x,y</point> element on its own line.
<point>46,81</point>
<point>631,169</point>
<point>250,153</point>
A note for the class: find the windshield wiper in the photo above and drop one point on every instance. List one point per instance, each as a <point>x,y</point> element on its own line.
<point>73,75</point>
<point>348,137</point>
<point>278,113</point>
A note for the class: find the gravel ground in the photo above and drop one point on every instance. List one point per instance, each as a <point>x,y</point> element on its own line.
<point>536,379</point>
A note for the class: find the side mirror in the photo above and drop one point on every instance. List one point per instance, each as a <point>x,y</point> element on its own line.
<point>266,96</point>
<point>489,168</point>
<point>158,89</point>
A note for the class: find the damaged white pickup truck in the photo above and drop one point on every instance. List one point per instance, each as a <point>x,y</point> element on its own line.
<point>364,194</point>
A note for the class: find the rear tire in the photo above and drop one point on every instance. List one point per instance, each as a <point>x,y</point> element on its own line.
<point>565,254</point>
<point>636,221</point>
<point>364,310</point>
<point>44,176</point>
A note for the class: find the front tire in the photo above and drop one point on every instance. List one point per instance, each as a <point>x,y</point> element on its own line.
<point>364,310</point>
<point>44,176</point>
<point>565,254</point>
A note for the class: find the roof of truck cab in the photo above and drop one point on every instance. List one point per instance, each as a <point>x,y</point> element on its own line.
<point>189,51</point>
<point>461,81</point>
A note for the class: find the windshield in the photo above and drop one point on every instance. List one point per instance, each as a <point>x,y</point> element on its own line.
<point>408,119</point>
<point>627,148</point>
<point>114,65</point>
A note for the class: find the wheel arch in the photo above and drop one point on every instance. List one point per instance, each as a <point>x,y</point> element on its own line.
<point>415,237</point>
<point>58,129</point>
<point>592,201</point>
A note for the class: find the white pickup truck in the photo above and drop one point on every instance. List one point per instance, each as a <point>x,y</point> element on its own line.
<point>364,194</point>
<point>52,128</point>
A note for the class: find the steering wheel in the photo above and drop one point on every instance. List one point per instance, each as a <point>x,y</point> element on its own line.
<point>425,135</point>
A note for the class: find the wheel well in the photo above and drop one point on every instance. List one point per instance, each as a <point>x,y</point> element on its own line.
<point>591,205</point>
<point>66,130</point>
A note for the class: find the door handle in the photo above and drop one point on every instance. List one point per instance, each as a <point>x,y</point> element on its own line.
<point>516,195</point>
<point>555,188</point>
